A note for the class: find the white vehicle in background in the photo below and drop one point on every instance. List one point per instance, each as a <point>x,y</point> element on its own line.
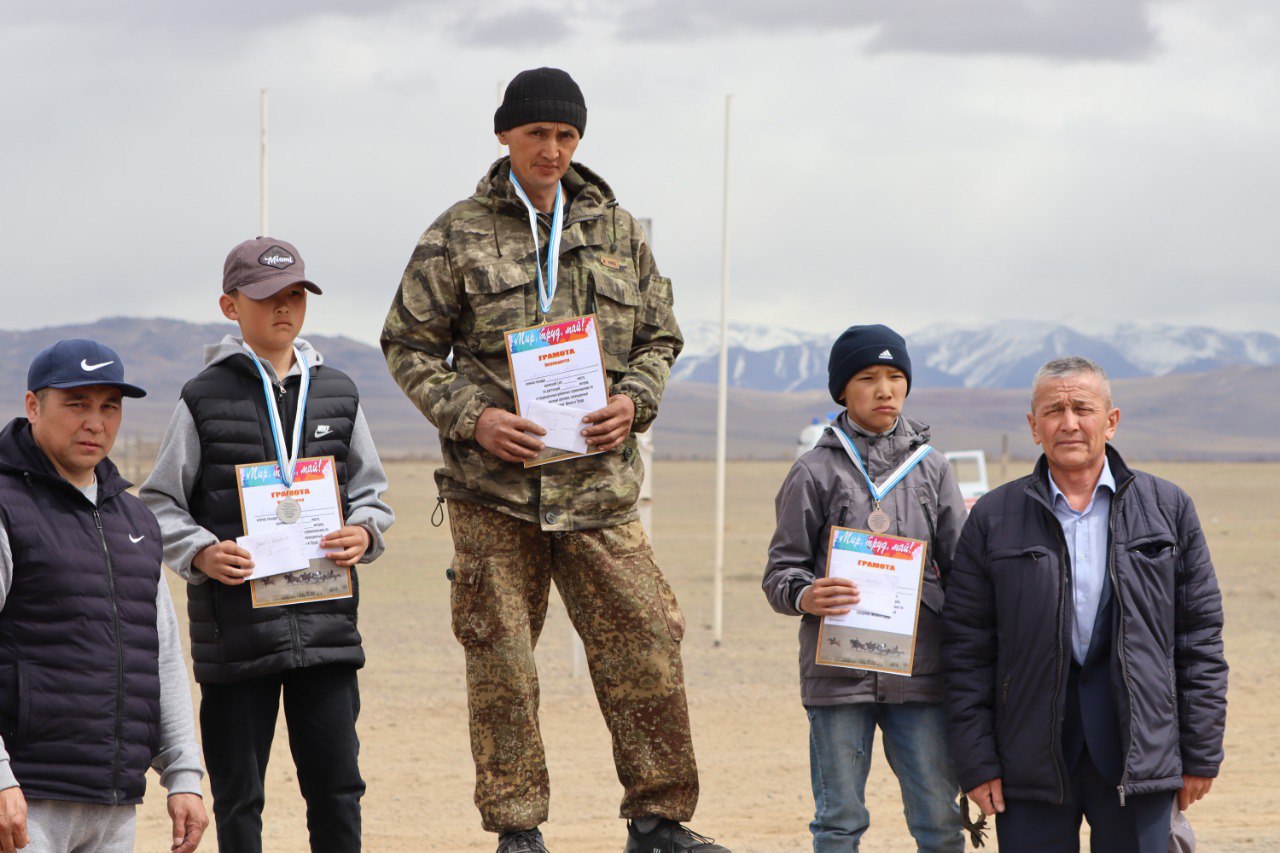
<point>809,436</point>
<point>970,468</point>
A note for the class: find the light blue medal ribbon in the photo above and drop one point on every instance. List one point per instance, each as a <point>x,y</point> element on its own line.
<point>287,465</point>
<point>878,493</point>
<point>547,284</point>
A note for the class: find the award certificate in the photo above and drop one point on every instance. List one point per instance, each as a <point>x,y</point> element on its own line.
<point>880,632</point>
<point>287,524</point>
<point>557,377</point>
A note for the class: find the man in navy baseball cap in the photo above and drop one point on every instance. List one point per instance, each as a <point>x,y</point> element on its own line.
<point>83,603</point>
<point>78,362</point>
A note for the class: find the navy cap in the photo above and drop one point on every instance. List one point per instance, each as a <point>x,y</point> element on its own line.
<point>860,347</point>
<point>76,362</point>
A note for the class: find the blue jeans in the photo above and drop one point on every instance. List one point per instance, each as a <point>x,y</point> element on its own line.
<point>841,738</point>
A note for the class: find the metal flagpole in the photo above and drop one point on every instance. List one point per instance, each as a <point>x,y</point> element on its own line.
<point>262,163</point>
<point>722,398</point>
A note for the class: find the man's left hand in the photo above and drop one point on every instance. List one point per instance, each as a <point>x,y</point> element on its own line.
<point>351,541</point>
<point>612,424</point>
<point>189,821</point>
<point>1193,788</point>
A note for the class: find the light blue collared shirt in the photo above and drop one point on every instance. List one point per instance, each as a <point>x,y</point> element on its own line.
<point>1086,535</point>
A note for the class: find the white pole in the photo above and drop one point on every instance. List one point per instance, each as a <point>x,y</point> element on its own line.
<point>262,163</point>
<point>722,399</point>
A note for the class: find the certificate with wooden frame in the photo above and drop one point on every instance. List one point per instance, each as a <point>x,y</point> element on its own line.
<point>312,502</point>
<point>557,377</point>
<point>879,633</point>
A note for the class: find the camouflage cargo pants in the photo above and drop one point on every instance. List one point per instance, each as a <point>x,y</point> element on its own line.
<point>631,627</point>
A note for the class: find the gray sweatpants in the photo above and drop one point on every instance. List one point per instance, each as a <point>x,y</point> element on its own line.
<point>60,827</point>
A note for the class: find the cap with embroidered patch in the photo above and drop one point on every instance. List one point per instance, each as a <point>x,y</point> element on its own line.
<point>263,267</point>
<point>77,362</point>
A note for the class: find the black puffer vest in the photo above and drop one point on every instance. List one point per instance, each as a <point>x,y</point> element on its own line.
<point>230,640</point>
<point>79,678</point>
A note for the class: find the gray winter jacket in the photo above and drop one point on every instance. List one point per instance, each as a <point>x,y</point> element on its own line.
<point>824,489</point>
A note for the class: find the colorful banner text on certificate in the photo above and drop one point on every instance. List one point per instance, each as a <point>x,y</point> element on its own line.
<point>313,505</point>
<point>880,632</point>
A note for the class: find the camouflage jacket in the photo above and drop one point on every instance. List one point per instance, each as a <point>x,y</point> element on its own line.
<point>473,277</point>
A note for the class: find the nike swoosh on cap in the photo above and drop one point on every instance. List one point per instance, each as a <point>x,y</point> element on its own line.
<point>137,540</point>
<point>85,365</point>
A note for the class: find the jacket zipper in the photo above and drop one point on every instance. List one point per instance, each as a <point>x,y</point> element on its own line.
<point>115,622</point>
<point>1117,504</point>
<point>295,638</point>
<point>1055,732</point>
<point>933,538</point>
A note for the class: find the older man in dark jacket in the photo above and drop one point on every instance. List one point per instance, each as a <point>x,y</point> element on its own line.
<point>1083,639</point>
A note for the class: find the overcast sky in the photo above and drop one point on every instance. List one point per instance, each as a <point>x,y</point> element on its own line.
<point>899,161</point>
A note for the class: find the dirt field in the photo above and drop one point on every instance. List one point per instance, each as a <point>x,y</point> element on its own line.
<point>749,729</point>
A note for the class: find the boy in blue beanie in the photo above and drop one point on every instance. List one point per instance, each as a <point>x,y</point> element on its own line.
<point>869,373</point>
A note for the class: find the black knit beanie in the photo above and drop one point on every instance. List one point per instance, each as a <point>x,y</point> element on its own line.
<point>541,94</point>
<point>859,347</point>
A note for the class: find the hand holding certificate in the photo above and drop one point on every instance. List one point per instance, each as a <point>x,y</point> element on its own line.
<point>289,524</point>
<point>879,631</point>
<point>275,552</point>
<point>558,377</point>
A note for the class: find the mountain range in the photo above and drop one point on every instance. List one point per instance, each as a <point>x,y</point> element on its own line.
<point>1189,393</point>
<point>997,355</point>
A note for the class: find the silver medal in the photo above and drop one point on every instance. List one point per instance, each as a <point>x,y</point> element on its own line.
<point>878,521</point>
<point>289,511</point>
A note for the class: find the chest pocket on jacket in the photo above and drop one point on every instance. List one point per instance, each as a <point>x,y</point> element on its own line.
<point>616,303</point>
<point>495,294</point>
<point>1026,583</point>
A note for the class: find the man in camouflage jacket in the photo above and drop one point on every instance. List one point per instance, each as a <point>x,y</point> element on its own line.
<point>472,277</point>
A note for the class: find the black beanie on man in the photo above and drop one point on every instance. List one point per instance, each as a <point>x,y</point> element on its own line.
<point>859,347</point>
<point>541,94</point>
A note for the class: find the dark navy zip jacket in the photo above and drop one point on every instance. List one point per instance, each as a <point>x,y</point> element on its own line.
<point>1007,639</point>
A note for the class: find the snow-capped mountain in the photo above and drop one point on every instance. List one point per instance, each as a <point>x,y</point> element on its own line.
<point>999,355</point>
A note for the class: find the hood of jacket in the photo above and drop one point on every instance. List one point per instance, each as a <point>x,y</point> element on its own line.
<point>589,194</point>
<point>907,434</point>
<point>233,345</point>
<point>22,457</point>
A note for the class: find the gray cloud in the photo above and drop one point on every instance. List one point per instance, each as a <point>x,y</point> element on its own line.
<point>520,26</point>
<point>144,15</point>
<point>1057,29</point>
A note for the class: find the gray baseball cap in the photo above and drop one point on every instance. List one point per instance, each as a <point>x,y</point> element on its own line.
<point>263,267</point>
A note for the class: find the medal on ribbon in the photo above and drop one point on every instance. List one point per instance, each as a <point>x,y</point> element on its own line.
<point>879,521</point>
<point>547,283</point>
<point>288,510</point>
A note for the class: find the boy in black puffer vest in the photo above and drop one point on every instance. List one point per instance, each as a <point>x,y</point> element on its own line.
<point>244,656</point>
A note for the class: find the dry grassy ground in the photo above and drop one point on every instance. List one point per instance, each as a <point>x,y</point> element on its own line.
<point>749,728</point>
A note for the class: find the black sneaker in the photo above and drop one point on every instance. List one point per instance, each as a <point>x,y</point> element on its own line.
<point>669,836</point>
<point>522,841</point>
